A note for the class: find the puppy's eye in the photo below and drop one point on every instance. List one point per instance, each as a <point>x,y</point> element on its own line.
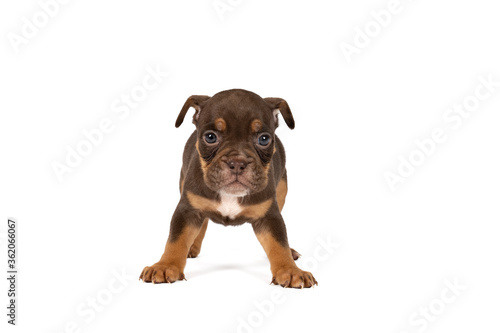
<point>210,138</point>
<point>264,139</point>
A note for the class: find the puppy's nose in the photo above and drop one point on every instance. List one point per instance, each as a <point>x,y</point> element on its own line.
<point>237,165</point>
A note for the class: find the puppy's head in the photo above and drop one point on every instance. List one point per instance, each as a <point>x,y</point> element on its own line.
<point>236,140</point>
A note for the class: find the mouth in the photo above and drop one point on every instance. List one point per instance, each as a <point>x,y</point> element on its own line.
<point>236,188</point>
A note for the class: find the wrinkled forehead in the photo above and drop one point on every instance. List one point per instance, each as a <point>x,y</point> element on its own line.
<point>233,115</point>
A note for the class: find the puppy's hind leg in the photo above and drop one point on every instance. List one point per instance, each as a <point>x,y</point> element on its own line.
<point>196,246</point>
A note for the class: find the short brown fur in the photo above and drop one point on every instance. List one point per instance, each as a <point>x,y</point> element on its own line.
<point>238,167</point>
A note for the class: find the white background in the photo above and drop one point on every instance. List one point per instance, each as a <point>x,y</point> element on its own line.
<point>353,120</point>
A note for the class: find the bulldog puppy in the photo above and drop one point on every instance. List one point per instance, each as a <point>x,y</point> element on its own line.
<point>233,172</point>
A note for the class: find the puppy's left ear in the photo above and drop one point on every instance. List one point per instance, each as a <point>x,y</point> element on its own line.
<point>280,105</point>
<point>195,101</point>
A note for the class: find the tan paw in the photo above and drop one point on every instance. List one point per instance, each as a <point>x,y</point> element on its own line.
<point>161,273</point>
<point>294,277</point>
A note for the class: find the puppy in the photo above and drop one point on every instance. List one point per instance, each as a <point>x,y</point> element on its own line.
<point>233,172</point>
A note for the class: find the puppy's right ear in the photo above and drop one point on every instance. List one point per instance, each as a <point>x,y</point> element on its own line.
<point>195,101</point>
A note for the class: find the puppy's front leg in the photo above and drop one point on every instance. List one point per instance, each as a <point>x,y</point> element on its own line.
<point>184,228</point>
<point>271,233</point>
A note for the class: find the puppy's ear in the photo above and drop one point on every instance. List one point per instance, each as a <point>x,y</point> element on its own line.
<point>280,105</point>
<point>195,101</point>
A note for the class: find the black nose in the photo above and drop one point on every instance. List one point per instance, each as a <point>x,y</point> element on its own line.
<point>237,165</point>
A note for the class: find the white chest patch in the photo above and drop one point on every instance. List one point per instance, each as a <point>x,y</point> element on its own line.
<point>229,206</point>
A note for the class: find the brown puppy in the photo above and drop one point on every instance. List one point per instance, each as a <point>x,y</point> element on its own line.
<point>233,172</point>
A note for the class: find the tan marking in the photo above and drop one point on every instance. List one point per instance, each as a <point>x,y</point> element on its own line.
<point>250,211</point>
<point>279,255</point>
<point>266,172</point>
<point>256,211</point>
<point>220,124</point>
<point>176,251</point>
<point>201,203</point>
<point>256,126</point>
<point>196,246</point>
<point>202,161</point>
<point>281,191</point>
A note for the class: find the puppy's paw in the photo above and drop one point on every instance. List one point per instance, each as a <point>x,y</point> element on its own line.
<point>293,277</point>
<point>161,273</point>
